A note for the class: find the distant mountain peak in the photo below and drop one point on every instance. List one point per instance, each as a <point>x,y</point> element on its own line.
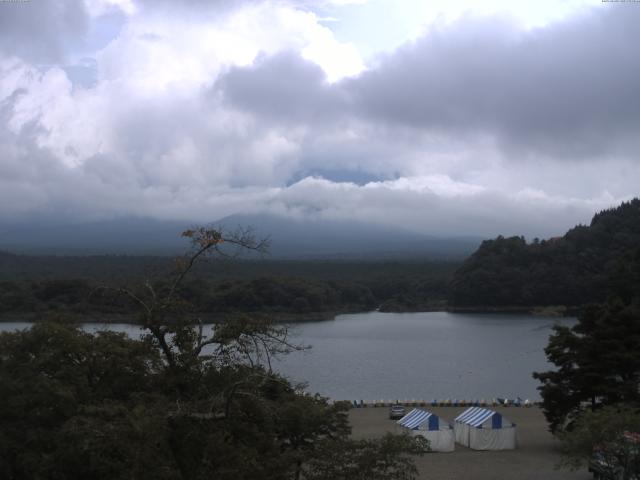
<point>290,238</point>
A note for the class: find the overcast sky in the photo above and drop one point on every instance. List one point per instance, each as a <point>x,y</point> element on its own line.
<point>445,117</point>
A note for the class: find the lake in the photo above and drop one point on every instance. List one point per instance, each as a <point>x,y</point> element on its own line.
<point>373,356</point>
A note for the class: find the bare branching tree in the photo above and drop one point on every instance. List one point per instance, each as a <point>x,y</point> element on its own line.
<point>187,343</point>
<point>184,402</point>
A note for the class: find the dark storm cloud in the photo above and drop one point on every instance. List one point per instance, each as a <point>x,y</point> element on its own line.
<point>567,90</point>
<point>284,86</point>
<point>41,31</point>
<point>570,89</point>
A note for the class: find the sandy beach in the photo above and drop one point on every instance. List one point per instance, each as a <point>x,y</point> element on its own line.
<point>535,458</point>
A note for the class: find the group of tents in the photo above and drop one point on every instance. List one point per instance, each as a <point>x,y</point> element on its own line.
<point>477,428</point>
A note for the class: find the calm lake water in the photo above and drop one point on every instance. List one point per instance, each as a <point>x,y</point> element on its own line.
<point>390,356</point>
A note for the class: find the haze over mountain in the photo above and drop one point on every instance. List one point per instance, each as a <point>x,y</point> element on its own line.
<point>289,238</point>
<point>349,239</point>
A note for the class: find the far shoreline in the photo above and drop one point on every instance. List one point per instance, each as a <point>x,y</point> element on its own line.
<point>279,317</point>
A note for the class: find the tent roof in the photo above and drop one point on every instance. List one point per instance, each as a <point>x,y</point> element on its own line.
<point>475,416</point>
<point>415,418</point>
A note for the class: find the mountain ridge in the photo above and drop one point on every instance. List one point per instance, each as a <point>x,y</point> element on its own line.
<point>290,238</point>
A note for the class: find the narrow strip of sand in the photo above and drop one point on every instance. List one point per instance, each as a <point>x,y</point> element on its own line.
<point>535,458</point>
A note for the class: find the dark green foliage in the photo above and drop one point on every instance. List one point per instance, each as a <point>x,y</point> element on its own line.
<point>597,360</point>
<point>176,404</point>
<point>625,280</point>
<point>573,270</point>
<point>283,294</point>
<point>66,292</point>
<point>103,406</point>
<point>609,438</point>
<point>316,287</point>
<point>55,379</point>
<point>386,459</point>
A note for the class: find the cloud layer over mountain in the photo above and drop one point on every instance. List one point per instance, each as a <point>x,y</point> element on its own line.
<point>199,110</point>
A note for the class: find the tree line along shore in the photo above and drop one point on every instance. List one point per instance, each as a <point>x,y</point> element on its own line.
<point>557,276</point>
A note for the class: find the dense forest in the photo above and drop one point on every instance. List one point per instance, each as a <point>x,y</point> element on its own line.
<point>176,403</point>
<point>591,395</point>
<point>579,268</point>
<point>288,290</point>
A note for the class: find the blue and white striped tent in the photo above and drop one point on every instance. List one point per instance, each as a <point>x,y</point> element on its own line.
<point>430,426</point>
<point>483,429</point>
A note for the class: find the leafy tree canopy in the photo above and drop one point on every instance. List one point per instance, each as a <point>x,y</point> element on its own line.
<point>609,439</point>
<point>178,403</point>
<point>573,270</point>
<point>597,360</point>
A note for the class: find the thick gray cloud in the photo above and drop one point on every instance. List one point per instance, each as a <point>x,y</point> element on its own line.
<point>475,128</point>
<point>41,31</point>
<point>567,90</point>
<point>283,87</point>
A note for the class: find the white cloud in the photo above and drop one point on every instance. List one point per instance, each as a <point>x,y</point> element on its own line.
<point>97,8</point>
<point>338,60</point>
<point>439,206</point>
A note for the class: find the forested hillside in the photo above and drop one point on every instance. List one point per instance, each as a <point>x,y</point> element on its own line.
<point>581,267</point>
<point>573,270</point>
<point>40,285</point>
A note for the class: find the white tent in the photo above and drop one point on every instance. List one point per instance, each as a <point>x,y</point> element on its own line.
<point>430,426</point>
<point>483,429</point>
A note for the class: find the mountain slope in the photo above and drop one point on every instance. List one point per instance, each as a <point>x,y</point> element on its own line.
<point>304,238</point>
<point>289,238</point>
